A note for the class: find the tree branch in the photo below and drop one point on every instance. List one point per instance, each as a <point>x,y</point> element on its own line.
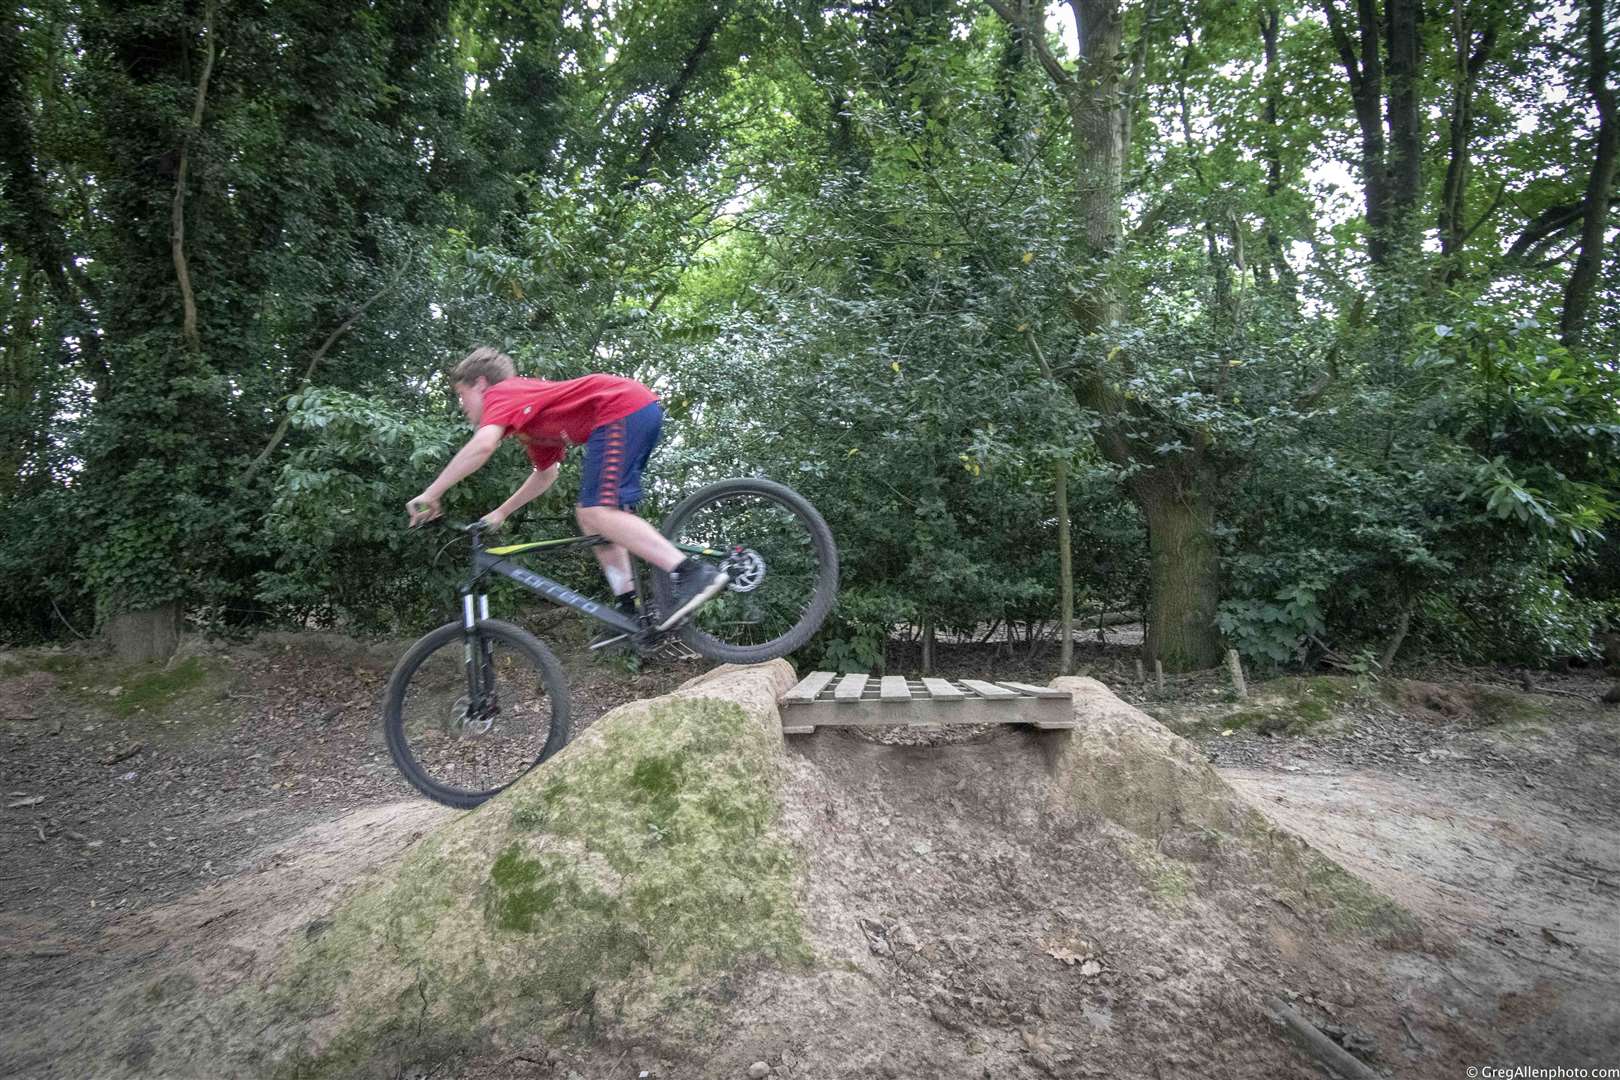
<point>1485,215</point>
<point>314,362</point>
<point>1133,85</point>
<point>1548,224</point>
<point>1347,51</point>
<point>672,98</point>
<point>177,230</point>
<point>1056,70</point>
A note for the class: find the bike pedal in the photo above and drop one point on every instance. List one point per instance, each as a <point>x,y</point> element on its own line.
<point>676,649</point>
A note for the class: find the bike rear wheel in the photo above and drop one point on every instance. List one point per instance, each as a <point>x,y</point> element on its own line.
<point>782,560</point>
<point>458,751</point>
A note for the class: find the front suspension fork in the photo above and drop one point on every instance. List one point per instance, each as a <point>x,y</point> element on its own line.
<point>476,651</point>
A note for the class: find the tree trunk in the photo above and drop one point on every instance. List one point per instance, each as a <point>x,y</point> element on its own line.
<point>1184,568</point>
<point>1095,116</point>
<point>1224,307</point>
<point>1287,282</point>
<point>139,637</point>
<point>1402,626</point>
<point>1579,290</point>
<point>21,419</point>
<point>177,226</point>
<point>1065,572</point>
<point>1401,21</point>
<point>1060,482</point>
<point>1366,76</point>
<point>1453,196</point>
<point>1184,575</point>
<point>1094,99</point>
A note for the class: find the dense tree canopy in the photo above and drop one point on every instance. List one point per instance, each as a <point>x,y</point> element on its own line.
<point>1292,323</point>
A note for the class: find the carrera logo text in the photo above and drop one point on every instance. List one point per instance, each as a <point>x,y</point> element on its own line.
<point>553,590</point>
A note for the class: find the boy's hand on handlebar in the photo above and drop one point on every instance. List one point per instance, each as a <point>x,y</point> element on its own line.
<point>493,520</point>
<point>422,510</point>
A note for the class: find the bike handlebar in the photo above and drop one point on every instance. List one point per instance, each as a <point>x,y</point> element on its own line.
<point>471,528</point>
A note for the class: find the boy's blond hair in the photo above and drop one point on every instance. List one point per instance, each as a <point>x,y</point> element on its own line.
<point>485,363</point>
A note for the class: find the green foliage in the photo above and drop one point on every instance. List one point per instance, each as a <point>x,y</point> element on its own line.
<point>44,593</point>
<point>854,636</point>
<point>337,522</point>
<point>848,247</point>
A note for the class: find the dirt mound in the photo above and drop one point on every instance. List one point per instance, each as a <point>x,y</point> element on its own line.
<point>1483,705</point>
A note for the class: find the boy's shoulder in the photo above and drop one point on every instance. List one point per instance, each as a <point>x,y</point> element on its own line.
<point>518,384</point>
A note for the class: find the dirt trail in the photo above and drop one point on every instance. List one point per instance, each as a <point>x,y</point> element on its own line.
<point>1527,885</point>
<point>100,1005</point>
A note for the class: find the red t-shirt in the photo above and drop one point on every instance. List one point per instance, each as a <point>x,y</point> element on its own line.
<point>548,417</point>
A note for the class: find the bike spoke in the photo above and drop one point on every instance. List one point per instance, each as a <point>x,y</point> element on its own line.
<point>778,562</point>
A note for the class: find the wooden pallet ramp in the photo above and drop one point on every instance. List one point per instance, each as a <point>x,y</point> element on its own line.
<point>826,699</point>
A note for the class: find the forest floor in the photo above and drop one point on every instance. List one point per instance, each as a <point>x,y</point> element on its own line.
<point>150,815</point>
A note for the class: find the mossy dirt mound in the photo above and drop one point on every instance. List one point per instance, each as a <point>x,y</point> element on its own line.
<point>1094,902</point>
<point>1291,705</point>
<point>1122,766</point>
<point>614,890</point>
<point>666,881</point>
<point>1470,705</point>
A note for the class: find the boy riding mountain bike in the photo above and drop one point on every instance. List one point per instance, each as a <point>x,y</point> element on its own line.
<point>618,421</point>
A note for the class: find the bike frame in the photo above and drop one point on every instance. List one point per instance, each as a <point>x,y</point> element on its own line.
<point>486,561</point>
<point>475,602</point>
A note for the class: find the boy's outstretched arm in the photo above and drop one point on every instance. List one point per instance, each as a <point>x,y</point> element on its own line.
<point>468,460</point>
<point>533,487</point>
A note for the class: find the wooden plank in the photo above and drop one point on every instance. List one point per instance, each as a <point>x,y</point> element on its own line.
<point>918,712</point>
<point>798,729</point>
<point>1036,691</point>
<point>809,686</point>
<point>942,690</point>
<point>990,690</point>
<point>1050,713</point>
<point>1057,724</point>
<point>894,688</point>
<point>849,688</point>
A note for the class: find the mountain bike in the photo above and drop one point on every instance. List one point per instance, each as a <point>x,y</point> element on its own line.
<point>478,702</point>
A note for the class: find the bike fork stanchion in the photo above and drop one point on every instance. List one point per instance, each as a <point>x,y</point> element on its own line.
<point>486,658</point>
<point>469,630</point>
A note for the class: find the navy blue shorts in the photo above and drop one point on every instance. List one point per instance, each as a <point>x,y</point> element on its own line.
<point>615,454</point>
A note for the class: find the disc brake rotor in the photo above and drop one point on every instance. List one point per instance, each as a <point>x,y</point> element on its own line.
<point>461,722</point>
<point>746,569</point>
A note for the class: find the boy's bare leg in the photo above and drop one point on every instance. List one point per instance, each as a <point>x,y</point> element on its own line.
<point>627,531</point>
<point>615,562</point>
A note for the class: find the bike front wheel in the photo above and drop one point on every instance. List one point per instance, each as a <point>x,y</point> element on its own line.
<point>459,735</point>
<point>782,562</point>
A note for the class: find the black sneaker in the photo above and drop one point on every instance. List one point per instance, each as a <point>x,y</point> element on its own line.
<point>695,586</point>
